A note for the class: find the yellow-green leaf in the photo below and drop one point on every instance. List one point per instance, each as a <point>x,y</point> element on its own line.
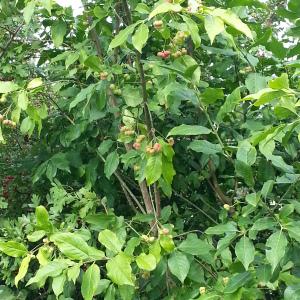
<point>23,269</point>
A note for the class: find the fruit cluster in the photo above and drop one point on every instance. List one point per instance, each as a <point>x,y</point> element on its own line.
<point>115,90</point>
<point>127,131</point>
<point>164,54</point>
<point>155,149</point>
<point>103,75</point>
<point>179,53</point>
<point>137,144</point>
<point>7,122</point>
<point>179,38</point>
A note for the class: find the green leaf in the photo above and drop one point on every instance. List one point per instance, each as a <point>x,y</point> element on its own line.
<point>58,31</point>
<point>237,281</point>
<point>139,39</point>
<point>267,188</point>
<point>142,8</point>
<point>42,219</point>
<point>132,96</point>
<point>73,273</point>
<point>71,58</point>
<point>255,82</point>
<point>279,83</point>
<point>110,240</point>
<point>13,249</point>
<point>99,12</point>
<point>293,230</point>
<point>211,95</point>
<point>74,247</point>
<point>47,4</point>
<point>146,262</point>
<point>7,87</point>
<point>34,83</point>
<point>58,284</point>
<point>264,223</point>
<point>167,243</point>
<point>230,18</point>
<point>193,245</point>
<point>36,235</point>
<point>111,163</point>
<point>23,269</point>
<point>227,228</point>
<point>213,26</point>
<point>246,153</point>
<point>164,8</point>
<point>205,147</point>
<point>188,130</point>
<point>90,282</point>
<point>194,30</point>
<point>244,170</point>
<point>23,100</point>
<point>28,11</point>
<point>231,101</point>
<point>179,265</point>
<point>119,270</point>
<point>244,250</point>
<point>153,169</point>
<point>122,36</point>
<point>52,269</point>
<point>93,62</point>
<point>276,245</point>
<point>292,292</point>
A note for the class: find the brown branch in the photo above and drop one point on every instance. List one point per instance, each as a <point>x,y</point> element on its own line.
<point>147,113</point>
<point>58,107</point>
<point>11,40</point>
<point>95,37</point>
<point>215,185</point>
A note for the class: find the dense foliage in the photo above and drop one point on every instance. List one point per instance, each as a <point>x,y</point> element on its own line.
<point>150,150</point>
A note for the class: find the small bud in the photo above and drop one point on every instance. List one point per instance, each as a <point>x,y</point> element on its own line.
<point>45,240</point>
<point>202,290</point>
<point>226,207</point>
<point>183,51</point>
<point>1,118</point>
<point>171,141</point>
<point>151,239</point>
<point>136,168</point>
<point>145,237</point>
<point>145,275</point>
<point>6,122</point>
<point>225,280</point>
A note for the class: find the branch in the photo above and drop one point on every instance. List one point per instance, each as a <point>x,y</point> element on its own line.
<point>147,113</point>
<point>11,40</point>
<point>216,187</point>
<point>95,37</point>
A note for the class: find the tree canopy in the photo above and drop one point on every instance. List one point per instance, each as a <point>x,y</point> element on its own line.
<point>150,150</point>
